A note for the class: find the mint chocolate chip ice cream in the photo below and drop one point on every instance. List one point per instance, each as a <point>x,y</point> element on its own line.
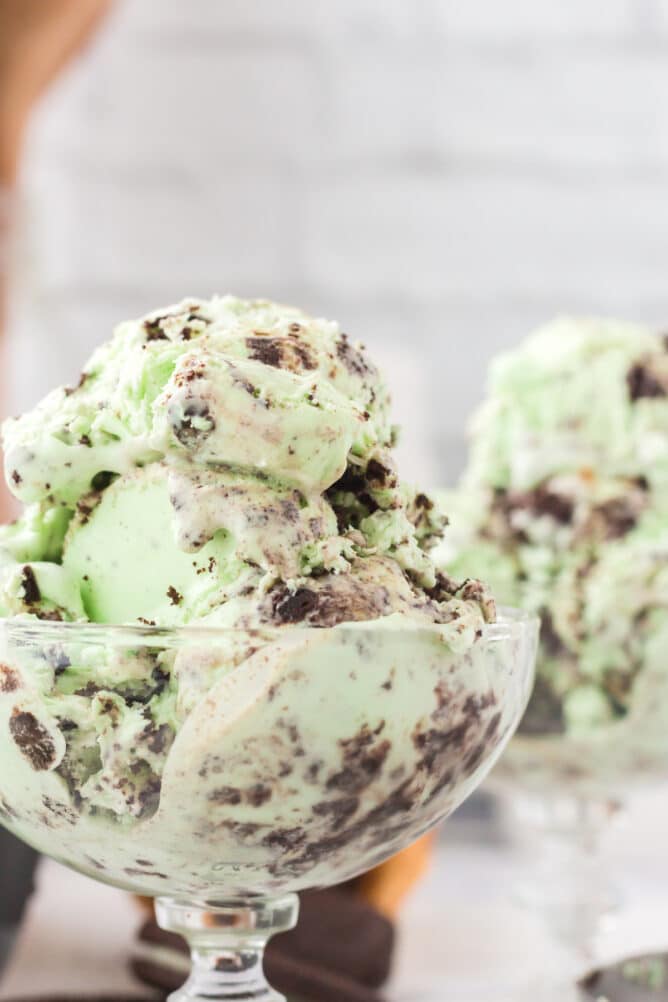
<point>226,467</point>
<point>564,510</point>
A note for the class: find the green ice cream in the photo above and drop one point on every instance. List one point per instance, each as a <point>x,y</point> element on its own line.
<point>218,464</point>
<point>564,510</point>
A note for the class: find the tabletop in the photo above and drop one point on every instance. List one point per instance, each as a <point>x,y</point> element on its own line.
<point>462,936</point>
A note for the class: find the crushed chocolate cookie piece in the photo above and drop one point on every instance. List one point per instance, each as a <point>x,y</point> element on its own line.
<point>49,615</point>
<point>86,506</point>
<point>174,596</point>
<point>258,795</point>
<point>69,390</point>
<point>265,349</point>
<point>352,357</point>
<point>16,477</point>
<point>280,353</point>
<point>154,331</point>
<point>363,758</point>
<point>9,679</point>
<point>196,424</point>
<point>339,811</point>
<point>285,838</point>
<point>294,607</point>
<point>546,502</point>
<point>31,593</point>
<point>85,440</point>
<point>159,739</point>
<point>227,795</point>
<point>378,475</point>
<point>643,383</point>
<point>103,479</point>
<point>33,740</point>
<point>424,502</point>
<point>540,502</point>
<point>618,517</point>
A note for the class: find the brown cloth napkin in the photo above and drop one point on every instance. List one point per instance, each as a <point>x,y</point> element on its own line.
<point>340,951</point>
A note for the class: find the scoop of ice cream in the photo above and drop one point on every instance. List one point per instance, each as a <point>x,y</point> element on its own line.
<point>253,385</point>
<point>564,509</point>
<point>220,464</point>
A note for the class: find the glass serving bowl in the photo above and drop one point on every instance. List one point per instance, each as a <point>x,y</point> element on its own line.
<point>563,790</point>
<point>221,771</point>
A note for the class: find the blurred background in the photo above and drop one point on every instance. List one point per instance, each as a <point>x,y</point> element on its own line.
<point>440,176</point>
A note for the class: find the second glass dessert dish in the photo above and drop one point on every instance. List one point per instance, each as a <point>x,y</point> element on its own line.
<point>312,756</point>
<point>564,510</point>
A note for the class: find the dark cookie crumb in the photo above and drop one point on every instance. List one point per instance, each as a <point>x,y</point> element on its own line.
<point>363,759</point>
<point>31,593</point>
<point>9,679</point>
<point>258,795</point>
<point>228,795</point>
<point>352,357</point>
<point>294,607</point>
<point>33,740</point>
<point>154,331</point>
<point>174,596</point>
<point>69,390</point>
<point>642,382</point>
<point>186,430</point>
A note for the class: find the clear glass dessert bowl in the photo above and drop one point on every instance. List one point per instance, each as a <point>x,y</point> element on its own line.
<point>563,790</point>
<point>221,771</point>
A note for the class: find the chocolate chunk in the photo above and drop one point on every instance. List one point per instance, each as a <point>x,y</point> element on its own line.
<point>16,477</point>
<point>174,596</point>
<point>333,599</point>
<point>643,383</point>
<point>103,479</point>
<point>187,432</point>
<point>265,349</point>
<point>294,607</point>
<point>378,474</point>
<point>33,740</point>
<point>29,586</point>
<point>154,331</point>
<point>280,353</point>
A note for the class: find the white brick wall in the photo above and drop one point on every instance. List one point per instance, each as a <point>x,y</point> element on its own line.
<point>440,175</point>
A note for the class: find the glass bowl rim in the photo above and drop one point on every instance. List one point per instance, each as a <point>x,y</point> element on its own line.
<point>510,623</point>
